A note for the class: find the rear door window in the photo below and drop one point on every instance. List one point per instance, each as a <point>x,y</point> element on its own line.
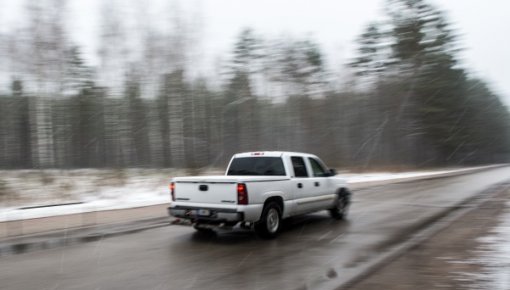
<point>298,164</point>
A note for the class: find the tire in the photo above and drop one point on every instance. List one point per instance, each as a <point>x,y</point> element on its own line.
<point>270,221</point>
<point>341,207</point>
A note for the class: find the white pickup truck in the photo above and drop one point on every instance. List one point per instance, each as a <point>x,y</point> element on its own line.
<point>258,190</point>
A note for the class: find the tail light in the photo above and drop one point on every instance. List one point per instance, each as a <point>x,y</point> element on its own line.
<point>172,190</point>
<point>242,194</point>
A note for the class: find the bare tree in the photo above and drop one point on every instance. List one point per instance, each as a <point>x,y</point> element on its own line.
<point>46,41</point>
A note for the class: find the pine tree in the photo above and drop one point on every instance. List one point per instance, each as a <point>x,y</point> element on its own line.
<point>247,52</point>
<point>241,113</point>
<point>420,90</point>
<point>372,52</point>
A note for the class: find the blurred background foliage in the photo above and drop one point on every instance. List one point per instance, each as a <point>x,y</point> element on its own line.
<point>403,101</point>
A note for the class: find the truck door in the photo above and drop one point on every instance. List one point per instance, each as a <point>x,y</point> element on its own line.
<point>302,185</point>
<point>323,190</point>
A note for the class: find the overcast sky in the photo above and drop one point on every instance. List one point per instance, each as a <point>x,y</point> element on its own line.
<point>334,24</point>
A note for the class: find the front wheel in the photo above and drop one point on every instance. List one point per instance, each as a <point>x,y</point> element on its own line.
<point>341,207</point>
<point>270,221</point>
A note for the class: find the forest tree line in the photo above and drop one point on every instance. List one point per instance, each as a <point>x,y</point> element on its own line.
<point>403,101</point>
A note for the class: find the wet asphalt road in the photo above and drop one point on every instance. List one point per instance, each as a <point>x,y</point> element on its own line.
<point>311,252</point>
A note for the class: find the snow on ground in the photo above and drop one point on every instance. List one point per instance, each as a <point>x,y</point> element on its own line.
<point>493,255</point>
<point>92,189</point>
<point>97,189</point>
<point>369,177</point>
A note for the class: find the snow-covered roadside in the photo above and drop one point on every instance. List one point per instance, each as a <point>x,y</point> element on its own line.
<point>381,176</point>
<point>91,189</point>
<point>489,266</point>
<point>95,190</point>
<point>493,257</point>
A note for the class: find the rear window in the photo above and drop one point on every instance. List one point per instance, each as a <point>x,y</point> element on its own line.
<point>257,166</point>
<point>299,166</point>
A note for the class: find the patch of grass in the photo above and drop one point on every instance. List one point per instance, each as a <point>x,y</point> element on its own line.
<point>46,178</point>
<point>66,186</point>
<point>114,177</point>
<point>4,190</point>
<point>64,191</point>
<point>7,195</point>
<point>193,171</point>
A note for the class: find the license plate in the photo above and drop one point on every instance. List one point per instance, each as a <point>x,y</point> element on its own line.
<point>204,212</point>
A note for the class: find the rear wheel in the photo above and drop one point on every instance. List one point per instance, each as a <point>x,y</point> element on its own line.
<point>341,207</point>
<point>270,221</point>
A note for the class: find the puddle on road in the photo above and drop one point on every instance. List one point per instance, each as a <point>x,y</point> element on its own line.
<point>492,258</point>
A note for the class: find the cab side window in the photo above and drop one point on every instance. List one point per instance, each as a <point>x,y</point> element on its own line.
<point>298,163</point>
<point>318,169</point>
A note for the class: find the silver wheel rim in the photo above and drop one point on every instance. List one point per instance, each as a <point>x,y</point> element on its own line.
<point>272,220</point>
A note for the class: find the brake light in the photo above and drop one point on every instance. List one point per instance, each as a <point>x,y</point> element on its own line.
<point>172,190</point>
<point>242,194</point>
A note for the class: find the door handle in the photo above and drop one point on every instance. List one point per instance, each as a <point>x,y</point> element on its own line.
<point>317,183</point>
<point>300,185</point>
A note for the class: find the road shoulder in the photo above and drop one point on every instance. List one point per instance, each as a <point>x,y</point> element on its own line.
<point>453,258</point>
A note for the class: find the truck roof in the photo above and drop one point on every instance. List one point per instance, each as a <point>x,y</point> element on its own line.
<point>271,154</point>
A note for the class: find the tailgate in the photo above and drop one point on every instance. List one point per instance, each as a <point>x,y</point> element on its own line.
<point>206,192</point>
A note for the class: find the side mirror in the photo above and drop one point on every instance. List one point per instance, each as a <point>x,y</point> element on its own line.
<point>332,172</point>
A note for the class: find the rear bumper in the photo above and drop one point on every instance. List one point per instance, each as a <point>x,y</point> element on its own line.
<point>208,214</point>
<point>213,215</point>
